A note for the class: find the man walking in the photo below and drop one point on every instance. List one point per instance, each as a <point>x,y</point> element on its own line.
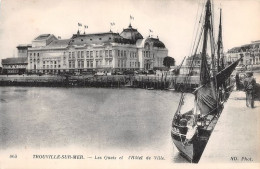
<point>249,86</point>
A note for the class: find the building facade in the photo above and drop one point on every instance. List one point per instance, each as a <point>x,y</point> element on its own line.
<point>14,65</point>
<point>250,53</point>
<point>23,50</point>
<point>99,51</point>
<point>192,65</point>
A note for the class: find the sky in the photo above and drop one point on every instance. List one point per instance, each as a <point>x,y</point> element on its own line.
<point>171,20</point>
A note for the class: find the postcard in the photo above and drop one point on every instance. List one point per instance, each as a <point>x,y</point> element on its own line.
<point>129,84</point>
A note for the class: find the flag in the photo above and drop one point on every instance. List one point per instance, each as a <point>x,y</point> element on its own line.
<point>79,24</point>
<point>150,30</point>
<point>131,17</point>
<point>85,26</point>
<point>112,23</point>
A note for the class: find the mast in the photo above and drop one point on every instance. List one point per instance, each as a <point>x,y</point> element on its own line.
<point>204,71</point>
<point>220,63</point>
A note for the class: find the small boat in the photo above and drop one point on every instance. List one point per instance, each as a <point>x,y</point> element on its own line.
<point>194,121</point>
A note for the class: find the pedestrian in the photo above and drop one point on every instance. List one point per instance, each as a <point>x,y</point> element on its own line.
<point>249,87</point>
<point>237,81</point>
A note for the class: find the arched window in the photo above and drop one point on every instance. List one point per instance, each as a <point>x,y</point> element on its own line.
<point>147,46</point>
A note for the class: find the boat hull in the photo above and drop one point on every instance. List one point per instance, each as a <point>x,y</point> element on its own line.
<point>192,150</point>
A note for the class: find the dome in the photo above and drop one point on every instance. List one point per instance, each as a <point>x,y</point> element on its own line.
<point>155,42</point>
<point>131,34</point>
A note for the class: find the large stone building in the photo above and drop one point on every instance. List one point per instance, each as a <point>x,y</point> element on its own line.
<point>250,52</point>
<point>99,51</point>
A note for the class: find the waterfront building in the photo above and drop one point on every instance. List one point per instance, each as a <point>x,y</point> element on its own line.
<point>107,51</point>
<point>193,62</point>
<point>250,52</point>
<point>14,65</point>
<point>23,50</point>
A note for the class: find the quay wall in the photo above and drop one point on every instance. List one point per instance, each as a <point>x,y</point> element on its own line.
<point>135,81</point>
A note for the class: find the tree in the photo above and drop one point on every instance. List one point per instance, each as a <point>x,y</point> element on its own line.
<point>168,61</point>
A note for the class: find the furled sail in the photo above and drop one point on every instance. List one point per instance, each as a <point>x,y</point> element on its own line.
<point>223,75</point>
<point>206,99</point>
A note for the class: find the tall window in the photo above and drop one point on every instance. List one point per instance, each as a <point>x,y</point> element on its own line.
<point>91,63</point>
<point>82,54</point>
<point>73,56</point>
<point>106,53</point>
<point>87,54</point>
<point>118,53</point>
<point>91,54</point>
<point>96,53</point>
<point>82,64</point>
<point>110,53</point>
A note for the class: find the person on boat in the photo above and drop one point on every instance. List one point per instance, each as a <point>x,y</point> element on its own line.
<point>249,86</point>
<point>192,128</point>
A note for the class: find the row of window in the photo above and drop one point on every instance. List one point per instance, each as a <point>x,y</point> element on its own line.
<point>34,54</point>
<point>148,54</point>
<point>50,66</point>
<point>89,54</point>
<point>14,66</point>
<point>51,62</point>
<point>90,39</point>
<point>121,63</point>
<point>81,64</point>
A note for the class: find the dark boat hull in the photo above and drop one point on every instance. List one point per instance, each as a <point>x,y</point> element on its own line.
<point>193,150</point>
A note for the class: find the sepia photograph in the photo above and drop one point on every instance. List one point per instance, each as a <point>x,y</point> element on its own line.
<point>129,84</point>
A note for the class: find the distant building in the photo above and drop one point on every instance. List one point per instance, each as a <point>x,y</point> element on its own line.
<point>14,65</point>
<point>99,51</point>
<point>194,62</point>
<point>251,53</point>
<point>23,50</point>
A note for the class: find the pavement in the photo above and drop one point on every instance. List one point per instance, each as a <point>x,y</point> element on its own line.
<point>235,138</point>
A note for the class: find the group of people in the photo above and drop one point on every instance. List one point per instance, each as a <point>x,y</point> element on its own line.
<point>249,86</point>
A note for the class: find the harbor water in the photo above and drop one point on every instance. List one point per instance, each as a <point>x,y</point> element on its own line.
<point>99,120</point>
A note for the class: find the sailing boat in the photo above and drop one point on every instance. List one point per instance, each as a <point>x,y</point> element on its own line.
<point>191,129</point>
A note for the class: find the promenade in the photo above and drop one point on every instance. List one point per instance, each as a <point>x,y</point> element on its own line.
<point>235,138</point>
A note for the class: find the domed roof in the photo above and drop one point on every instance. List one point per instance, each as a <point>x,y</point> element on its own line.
<point>131,33</point>
<point>155,42</point>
